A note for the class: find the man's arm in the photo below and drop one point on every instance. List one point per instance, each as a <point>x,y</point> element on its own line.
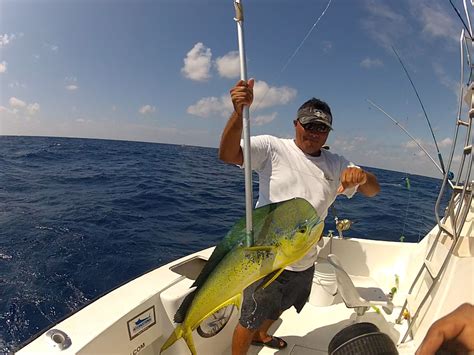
<point>230,150</point>
<point>352,176</point>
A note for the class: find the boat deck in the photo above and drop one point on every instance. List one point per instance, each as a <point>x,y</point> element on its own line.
<point>310,331</point>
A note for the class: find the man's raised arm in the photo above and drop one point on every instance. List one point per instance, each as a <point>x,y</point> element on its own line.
<point>229,149</point>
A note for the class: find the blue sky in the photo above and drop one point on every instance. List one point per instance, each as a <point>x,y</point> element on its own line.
<point>160,71</point>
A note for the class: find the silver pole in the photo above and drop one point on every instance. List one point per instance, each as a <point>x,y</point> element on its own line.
<point>239,19</point>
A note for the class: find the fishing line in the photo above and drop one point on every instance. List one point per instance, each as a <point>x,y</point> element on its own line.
<point>294,53</point>
<point>423,108</point>
<point>407,133</point>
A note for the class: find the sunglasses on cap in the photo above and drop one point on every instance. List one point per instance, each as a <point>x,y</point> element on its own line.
<point>315,127</point>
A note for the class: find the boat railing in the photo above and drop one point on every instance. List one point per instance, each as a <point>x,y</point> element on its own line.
<point>451,224</point>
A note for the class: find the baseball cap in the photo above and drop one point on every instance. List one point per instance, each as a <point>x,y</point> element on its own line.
<point>313,115</point>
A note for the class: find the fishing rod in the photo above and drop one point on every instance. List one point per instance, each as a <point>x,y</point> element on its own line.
<point>239,19</point>
<point>424,111</point>
<point>408,133</point>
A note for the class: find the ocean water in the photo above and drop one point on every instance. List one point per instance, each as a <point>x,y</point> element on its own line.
<point>79,217</point>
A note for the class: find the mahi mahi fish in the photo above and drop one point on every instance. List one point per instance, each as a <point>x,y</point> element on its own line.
<point>283,233</point>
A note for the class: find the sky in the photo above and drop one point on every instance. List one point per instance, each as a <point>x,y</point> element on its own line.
<point>161,71</point>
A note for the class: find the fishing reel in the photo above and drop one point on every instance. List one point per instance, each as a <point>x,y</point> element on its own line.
<point>342,225</point>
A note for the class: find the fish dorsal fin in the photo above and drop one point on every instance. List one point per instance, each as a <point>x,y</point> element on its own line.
<point>183,308</point>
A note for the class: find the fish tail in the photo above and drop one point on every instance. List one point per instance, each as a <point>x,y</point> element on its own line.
<point>177,334</point>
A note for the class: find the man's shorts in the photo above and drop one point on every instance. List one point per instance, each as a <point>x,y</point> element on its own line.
<point>291,288</point>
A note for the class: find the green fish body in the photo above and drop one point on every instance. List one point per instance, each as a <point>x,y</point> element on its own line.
<point>283,232</point>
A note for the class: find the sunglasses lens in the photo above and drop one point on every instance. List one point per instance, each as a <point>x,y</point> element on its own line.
<point>316,127</point>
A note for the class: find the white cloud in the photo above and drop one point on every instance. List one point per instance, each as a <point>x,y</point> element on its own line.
<point>32,109</point>
<point>383,11</point>
<point>16,84</point>
<point>5,109</point>
<point>147,109</point>
<point>83,120</point>
<point>228,66</point>
<point>264,96</point>
<point>429,145</point>
<point>21,107</point>
<point>264,119</point>
<point>371,63</point>
<point>6,39</point>
<point>210,106</point>
<point>268,96</point>
<point>3,67</point>
<point>384,24</point>
<point>435,23</point>
<point>447,142</point>
<point>412,144</point>
<point>197,63</point>
<point>327,46</point>
<point>446,80</point>
<point>16,103</point>
<point>51,47</point>
<point>350,144</point>
<point>71,83</point>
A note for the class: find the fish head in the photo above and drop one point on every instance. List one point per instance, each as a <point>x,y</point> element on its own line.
<point>302,238</point>
<point>295,228</point>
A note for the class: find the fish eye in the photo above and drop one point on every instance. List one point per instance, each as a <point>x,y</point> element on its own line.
<point>302,229</point>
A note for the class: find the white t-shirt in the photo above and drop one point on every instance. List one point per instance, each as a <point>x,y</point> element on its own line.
<point>286,172</point>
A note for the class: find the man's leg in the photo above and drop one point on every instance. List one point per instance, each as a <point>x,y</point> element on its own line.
<point>241,340</point>
<point>262,333</point>
<point>243,337</point>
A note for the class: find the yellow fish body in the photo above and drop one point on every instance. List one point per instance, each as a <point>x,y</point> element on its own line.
<point>283,232</point>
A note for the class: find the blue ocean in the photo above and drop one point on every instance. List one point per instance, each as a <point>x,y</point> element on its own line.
<point>79,217</point>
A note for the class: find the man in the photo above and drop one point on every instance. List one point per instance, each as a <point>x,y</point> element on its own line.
<point>288,168</point>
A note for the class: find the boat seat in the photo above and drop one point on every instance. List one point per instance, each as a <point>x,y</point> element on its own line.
<point>362,296</point>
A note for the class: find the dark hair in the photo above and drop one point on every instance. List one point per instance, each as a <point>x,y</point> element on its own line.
<point>317,104</point>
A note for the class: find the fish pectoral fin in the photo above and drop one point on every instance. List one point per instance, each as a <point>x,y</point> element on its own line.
<point>235,300</point>
<point>249,251</point>
<point>275,275</point>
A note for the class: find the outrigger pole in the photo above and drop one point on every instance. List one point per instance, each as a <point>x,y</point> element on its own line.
<point>239,19</point>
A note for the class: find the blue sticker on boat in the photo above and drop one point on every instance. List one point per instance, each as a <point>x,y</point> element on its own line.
<point>141,322</point>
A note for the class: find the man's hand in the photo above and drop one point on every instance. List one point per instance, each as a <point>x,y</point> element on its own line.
<point>229,148</point>
<point>351,177</point>
<point>453,333</point>
<point>242,95</point>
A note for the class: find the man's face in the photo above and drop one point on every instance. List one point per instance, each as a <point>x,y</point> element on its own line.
<point>309,141</point>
